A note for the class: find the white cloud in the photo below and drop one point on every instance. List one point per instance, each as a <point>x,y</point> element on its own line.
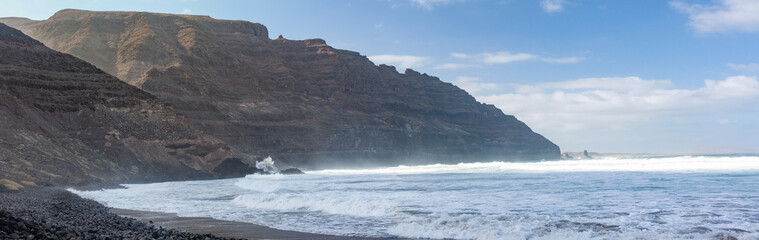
<point>725,121</point>
<point>744,67</point>
<point>402,61</point>
<point>562,60</point>
<point>730,88</point>
<point>598,104</point>
<point>378,25</point>
<point>728,15</point>
<point>474,85</point>
<point>430,4</point>
<point>186,11</point>
<point>628,84</point>
<point>507,57</point>
<point>552,6</point>
<point>454,66</point>
<point>460,55</point>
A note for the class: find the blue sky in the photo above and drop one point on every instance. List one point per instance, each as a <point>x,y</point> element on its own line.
<point>608,76</point>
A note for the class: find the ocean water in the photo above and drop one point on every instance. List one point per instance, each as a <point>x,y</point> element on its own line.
<point>683,197</point>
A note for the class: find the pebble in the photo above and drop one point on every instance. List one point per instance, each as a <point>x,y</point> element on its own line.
<point>54,213</point>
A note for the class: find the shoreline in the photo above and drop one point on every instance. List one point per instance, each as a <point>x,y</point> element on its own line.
<point>222,228</point>
<point>55,213</point>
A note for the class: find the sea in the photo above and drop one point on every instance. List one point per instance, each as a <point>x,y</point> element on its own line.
<point>673,197</point>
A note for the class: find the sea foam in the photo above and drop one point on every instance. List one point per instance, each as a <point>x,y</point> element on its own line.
<point>656,164</point>
<point>686,197</point>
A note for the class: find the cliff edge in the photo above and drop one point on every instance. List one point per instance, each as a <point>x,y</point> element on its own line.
<point>66,122</point>
<point>303,102</point>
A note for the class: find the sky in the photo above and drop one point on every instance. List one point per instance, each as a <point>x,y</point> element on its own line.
<point>626,76</point>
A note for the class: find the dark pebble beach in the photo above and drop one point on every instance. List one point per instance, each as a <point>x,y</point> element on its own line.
<point>54,213</point>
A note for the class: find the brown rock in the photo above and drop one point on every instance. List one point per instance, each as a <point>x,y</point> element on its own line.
<point>303,102</point>
<point>65,121</point>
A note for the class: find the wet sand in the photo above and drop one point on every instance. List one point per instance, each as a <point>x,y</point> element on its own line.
<point>230,229</point>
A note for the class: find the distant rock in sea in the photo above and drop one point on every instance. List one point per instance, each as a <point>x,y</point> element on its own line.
<point>303,102</point>
<point>64,121</point>
<point>291,171</point>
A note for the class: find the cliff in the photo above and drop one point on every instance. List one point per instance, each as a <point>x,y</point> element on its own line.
<point>64,121</point>
<point>303,102</point>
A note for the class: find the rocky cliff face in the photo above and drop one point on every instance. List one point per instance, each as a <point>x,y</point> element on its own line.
<point>64,121</point>
<point>303,102</point>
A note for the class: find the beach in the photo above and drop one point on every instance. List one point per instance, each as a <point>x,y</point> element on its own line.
<point>221,228</point>
<point>55,213</point>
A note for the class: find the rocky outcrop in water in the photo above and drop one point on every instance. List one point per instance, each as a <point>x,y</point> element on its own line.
<point>303,102</point>
<point>64,121</point>
<point>291,171</point>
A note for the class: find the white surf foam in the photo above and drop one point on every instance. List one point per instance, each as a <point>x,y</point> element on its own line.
<point>644,198</point>
<point>664,164</point>
<point>267,165</point>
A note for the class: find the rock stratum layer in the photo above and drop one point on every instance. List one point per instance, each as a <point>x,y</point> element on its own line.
<point>64,121</point>
<point>303,102</point>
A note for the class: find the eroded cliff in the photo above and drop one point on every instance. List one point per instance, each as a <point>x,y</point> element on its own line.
<point>64,121</point>
<point>303,102</point>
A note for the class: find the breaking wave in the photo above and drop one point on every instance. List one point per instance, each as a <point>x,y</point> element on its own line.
<point>686,197</point>
<point>655,164</point>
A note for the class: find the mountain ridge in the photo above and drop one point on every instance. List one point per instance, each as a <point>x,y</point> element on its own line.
<point>303,102</point>
<point>66,122</point>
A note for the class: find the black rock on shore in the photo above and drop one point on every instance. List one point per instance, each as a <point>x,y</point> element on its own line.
<point>53,213</point>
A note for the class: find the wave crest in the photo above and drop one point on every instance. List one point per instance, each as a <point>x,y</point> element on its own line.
<point>654,164</point>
